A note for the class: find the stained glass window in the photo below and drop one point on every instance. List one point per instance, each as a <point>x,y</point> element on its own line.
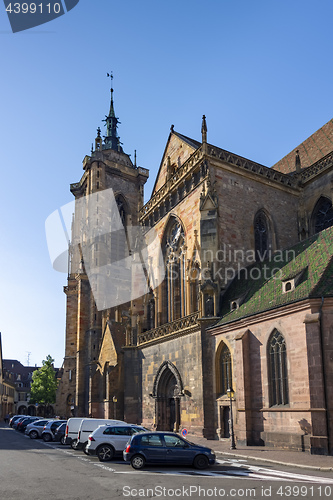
<point>261,236</point>
<point>323,214</point>
<point>278,374</point>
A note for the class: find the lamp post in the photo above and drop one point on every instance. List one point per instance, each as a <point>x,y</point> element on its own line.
<point>114,399</point>
<point>231,394</point>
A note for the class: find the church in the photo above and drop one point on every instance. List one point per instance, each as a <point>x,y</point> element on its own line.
<point>237,333</point>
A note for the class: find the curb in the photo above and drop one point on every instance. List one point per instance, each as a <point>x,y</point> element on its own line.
<point>300,466</point>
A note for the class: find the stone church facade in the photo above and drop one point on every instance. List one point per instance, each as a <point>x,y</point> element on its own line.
<point>223,222</point>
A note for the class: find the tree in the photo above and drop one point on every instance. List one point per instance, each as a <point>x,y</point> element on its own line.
<point>44,384</point>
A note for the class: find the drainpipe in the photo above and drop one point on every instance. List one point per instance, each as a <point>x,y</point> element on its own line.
<point>323,373</point>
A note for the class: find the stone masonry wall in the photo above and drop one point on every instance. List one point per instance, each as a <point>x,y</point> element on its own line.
<point>296,419</point>
<point>185,353</point>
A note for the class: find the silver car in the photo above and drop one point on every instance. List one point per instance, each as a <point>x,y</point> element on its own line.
<point>35,429</point>
<point>50,428</point>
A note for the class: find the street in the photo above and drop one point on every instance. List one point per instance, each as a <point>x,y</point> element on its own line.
<point>32,469</point>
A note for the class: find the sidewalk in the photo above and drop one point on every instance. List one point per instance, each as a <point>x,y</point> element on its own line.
<point>268,455</point>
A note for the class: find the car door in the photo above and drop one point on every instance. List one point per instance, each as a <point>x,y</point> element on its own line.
<point>120,436</point>
<point>153,448</point>
<point>177,450</point>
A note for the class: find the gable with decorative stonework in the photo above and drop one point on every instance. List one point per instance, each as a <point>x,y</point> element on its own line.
<point>178,149</point>
<point>112,342</point>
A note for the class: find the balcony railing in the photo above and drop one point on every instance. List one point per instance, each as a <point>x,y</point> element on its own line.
<point>180,326</point>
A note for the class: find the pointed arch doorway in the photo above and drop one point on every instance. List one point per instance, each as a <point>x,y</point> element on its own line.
<point>168,390</point>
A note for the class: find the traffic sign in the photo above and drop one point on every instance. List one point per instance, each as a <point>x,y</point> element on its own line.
<point>184,432</point>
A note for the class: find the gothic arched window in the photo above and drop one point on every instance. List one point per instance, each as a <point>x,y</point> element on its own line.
<point>151,313</point>
<point>223,370</point>
<point>195,288</point>
<point>119,249</point>
<point>174,303</point>
<point>121,209</point>
<point>106,381</point>
<point>277,370</point>
<point>261,235</point>
<point>322,216</point>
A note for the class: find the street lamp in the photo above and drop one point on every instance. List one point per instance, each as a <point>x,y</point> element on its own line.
<point>231,394</point>
<point>114,399</point>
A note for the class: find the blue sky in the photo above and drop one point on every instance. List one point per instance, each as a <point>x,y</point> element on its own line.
<point>261,72</point>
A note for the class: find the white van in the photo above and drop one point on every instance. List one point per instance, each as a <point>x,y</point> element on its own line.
<point>87,426</point>
<point>72,428</point>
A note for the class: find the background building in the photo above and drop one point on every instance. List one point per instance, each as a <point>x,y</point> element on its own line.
<point>7,388</point>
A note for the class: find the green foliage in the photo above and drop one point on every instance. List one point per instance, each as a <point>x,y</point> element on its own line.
<point>44,383</point>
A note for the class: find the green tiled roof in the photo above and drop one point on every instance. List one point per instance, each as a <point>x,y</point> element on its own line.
<point>310,262</point>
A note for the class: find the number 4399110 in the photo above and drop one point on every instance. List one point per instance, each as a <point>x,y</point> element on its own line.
<point>33,8</point>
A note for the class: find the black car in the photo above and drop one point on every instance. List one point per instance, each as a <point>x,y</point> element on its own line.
<point>166,448</point>
<point>59,435</point>
<point>19,420</point>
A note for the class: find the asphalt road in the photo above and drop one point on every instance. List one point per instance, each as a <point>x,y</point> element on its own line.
<point>34,470</point>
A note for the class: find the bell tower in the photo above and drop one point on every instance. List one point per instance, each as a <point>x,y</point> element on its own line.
<point>108,171</point>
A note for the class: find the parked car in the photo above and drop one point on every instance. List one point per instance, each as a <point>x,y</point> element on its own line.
<point>13,419</point>
<point>72,429</point>
<point>21,426</point>
<point>50,428</point>
<point>35,429</point>
<point>59,433</point>
<point>88,425</point>
<point>166,448</point>
<point>109,440</point>
<point>19,420</point>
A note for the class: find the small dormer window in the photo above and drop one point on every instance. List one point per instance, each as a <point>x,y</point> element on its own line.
<point>289,283</point>
<point>288,286</point>
<point>234,304</point>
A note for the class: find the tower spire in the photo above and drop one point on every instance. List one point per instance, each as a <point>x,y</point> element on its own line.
<point>111,140</point>
<point>298,162</point>
<point>204,129</point>
<point>111,113</point>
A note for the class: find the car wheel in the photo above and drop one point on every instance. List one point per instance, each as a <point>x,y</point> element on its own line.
<point>201,462</point>
<point>47,438</point>
<point>33,434</point>
<point>138,462</point>
<point>62,440</point>
<point>85,448</point>
<point>74,444</point>
<point>105,453</point>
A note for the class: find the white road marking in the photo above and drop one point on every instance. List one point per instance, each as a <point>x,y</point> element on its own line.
<point>251,472</point>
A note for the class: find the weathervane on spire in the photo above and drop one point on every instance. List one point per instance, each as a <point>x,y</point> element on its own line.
<point>110,75</point>
<point>111,140</point>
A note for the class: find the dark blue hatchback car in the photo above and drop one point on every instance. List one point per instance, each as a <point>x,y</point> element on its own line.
<point>166,448</point>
